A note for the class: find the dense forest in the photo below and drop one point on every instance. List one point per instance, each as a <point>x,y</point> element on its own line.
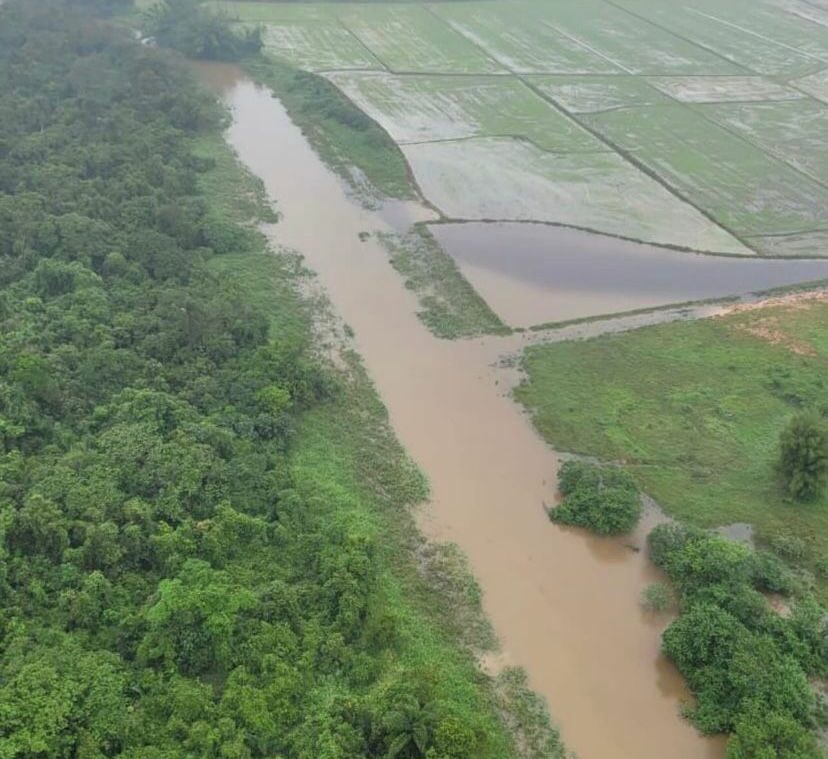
<point>168,591</point>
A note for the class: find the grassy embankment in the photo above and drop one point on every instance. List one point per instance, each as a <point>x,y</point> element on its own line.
<point>449,306</point>
<point>346,459</point>
<point>350,142</point>
<point>694,410</point>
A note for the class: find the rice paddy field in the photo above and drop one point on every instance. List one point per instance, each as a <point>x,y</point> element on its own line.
<point>702,126</point>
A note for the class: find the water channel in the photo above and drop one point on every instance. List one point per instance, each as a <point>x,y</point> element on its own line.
<point>564,605</point>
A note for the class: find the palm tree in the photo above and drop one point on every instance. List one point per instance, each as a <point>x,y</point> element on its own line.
<point>409,725</point>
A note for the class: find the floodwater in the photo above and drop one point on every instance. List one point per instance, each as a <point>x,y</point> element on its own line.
<point>532,274</point>
<point>565,606</point>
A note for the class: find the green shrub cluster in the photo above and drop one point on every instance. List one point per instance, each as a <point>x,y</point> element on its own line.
<point>803,456</point>
<point>170,588</point>
<point>748,665</point>
<point>603,499</point>
<point>197,31</point>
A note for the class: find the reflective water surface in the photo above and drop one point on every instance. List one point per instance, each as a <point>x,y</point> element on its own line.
<point>533,274</point>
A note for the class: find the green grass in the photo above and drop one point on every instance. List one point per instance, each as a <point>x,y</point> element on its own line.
<point>344,136</point>
<point>694,410</point>
<point>348,465</point>
<point>450,306</point>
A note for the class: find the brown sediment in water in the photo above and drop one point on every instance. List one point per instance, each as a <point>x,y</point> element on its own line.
<point>565,606</point>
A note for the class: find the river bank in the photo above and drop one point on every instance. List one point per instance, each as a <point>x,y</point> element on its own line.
<point>552,595</point>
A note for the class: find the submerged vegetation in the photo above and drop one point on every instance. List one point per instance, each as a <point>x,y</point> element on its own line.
<point>449,306</point>
<point>204,542</point>
<point>603,499</point>
<point>748,665</point>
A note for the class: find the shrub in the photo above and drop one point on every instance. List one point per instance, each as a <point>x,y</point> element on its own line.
<point>600,498</point>
<point>775,735</point>
<point>657,597</point>
<point>803,456</point>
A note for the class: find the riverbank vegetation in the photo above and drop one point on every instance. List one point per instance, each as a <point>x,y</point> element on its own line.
<point>349,141</point>
<point>748,665</point>
<point>602,499</point>
<point>449,306</point>
<point>193,30</point>
<point>694,411</point>
<point>203,529</point>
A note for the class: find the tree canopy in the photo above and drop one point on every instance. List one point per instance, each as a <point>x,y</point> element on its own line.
<point>168,590</point>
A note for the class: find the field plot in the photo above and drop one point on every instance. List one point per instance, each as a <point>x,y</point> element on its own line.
<point>796,132</point>
<point>264,12</point>
<point>723,89</point>
<point>805,9</point>
<point>511,33</point>
<point>317,46</point>
<point>780,22</point>
<point>409,38</point>
<point>750,51</point>
<point>590,94</point>
<point>512,180</point>
<point>425,108</point>
<point>737,183</point>
<point>632,44</point>
<point>815,85</point>
<point>713,109</point>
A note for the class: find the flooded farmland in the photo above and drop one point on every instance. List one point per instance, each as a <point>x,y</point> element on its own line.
<point>532,274</point>
<point>565,606</point>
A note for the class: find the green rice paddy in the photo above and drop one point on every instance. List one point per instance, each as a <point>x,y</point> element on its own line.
<point>723,106</point>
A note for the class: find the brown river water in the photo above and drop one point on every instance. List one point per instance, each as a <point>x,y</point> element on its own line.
<point>565,606</point>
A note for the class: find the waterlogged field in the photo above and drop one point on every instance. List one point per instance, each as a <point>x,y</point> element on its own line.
<point>816,85</point>
<point>410,38</point>
<point>722,89</point>
<point>795,132</point>
<point>723,107</point>
<point>433,108</point>
<point>747,190</point>
<point>591,94</point>
<point>501,179</point>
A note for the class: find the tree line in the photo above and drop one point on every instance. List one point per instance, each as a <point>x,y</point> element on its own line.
<point>167,591</point>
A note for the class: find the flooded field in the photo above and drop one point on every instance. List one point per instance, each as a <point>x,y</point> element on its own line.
<point>531,274</point>
<point>565,606</point>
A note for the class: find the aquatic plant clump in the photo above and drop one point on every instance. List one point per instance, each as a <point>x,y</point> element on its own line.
<point>603,499</point>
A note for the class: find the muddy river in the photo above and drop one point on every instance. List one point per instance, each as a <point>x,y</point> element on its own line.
<point>537,273</point>
<point>565,606</point>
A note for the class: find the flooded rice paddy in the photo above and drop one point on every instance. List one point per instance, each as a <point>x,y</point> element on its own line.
<point>564,605</point>
<point>532,274</point>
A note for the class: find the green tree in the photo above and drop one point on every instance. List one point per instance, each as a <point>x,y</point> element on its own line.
<point>770,735</point>
<point>409,728</point>
<point>803,456</point>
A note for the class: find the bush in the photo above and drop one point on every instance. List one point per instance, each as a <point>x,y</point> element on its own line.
<point>600,498</point>
<point>803,456</point>
<point>657,597</point>
<point>197,32</point>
